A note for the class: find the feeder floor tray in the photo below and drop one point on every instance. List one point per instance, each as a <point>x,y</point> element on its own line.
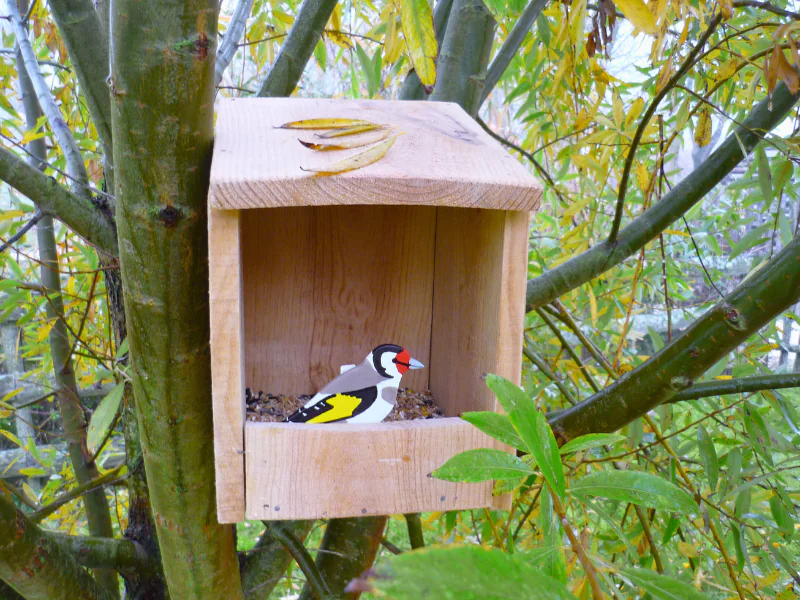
<point>271,408</point>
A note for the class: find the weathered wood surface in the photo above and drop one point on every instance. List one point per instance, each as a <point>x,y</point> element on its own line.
<point>441,158</point>
<point>300,471</point>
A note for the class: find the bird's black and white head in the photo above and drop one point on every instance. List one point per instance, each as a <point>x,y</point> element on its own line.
<point>392,361</point>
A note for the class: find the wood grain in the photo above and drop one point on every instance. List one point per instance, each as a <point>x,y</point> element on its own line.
<point>324,285</point>
<point>466,307</point>
<point>300,471</point>
<point>227,359</point>
<point>442,158</point>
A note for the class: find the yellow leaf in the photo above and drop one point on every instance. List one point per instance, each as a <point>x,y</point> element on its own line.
<point>592,306</point>
<point>617,110</point>
<point>638,14</point>
<point>357,161</point>
<point>702,135</point>
<point>283,17</point>
<point>727,69</point>
<point>634,112</point>
<point>355,129</point>
<point>642,176</point>
<point>420,38</point>
<point>687,550</point>
<point>664,74</point>
<point>392,46</point>
<point>326,124</point>
<point>10,214</point>
<point>349,143</point>
<point>11,436</point>
<point>339,38</point>
<point>44,331</point>
<point>768,579</point>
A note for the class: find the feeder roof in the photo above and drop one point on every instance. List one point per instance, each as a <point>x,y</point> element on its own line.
<point>442,157</point>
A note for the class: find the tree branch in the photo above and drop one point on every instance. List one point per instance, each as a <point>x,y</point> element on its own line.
<point>511,46</point>
<point>69,147</point>
<point>264,565</point>
<point>762,297</point>
<point>767,7</point>
<point>297,48</point>
<point>414,526</point>
<point>461,68</point>
<point>744,385</point>
<point>645,120</point>
<point>348,549</point>
<point>230,43</point>
<point>646,227</point>
<point>35,565</point>
<point>87,44</point>
<point>83,216</point>
<point>125,556</point>
<point>284,534</point>
<point>105,479</point>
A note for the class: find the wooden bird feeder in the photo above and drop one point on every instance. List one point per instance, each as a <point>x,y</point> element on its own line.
<point>427,248</point>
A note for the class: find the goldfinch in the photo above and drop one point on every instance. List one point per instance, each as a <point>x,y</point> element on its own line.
<point>365,393</point>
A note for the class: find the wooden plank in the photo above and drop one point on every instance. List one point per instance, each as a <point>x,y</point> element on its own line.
<point>227,384</point>
<point>299,471</point>
<point>442,158</point>
<point>324,285</point>
<point>511,312</point>
<point>466,307</point>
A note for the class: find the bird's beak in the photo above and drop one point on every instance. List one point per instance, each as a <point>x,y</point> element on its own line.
<point>415,364</point>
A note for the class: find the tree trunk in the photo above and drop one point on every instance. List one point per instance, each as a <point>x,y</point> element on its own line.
<point>162,115</point>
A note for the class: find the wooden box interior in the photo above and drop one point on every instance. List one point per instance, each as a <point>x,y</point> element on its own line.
<point>321,286</point>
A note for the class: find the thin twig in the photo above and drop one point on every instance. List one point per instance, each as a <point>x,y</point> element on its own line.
<point>37,216</point>
<point>110,478</point>
<point>645,120</point>
<point>542,365</point>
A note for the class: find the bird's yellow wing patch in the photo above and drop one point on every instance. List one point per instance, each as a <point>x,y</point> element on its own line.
<point>342,406</point>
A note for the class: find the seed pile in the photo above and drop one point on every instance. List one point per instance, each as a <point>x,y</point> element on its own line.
<point>274,408</point>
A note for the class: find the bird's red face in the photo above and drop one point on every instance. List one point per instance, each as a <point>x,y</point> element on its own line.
<point>403,361</point>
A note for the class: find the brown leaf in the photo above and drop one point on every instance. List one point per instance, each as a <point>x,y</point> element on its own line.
<point>787,74</point>
<point>357,161</point>
<point>771,70</point>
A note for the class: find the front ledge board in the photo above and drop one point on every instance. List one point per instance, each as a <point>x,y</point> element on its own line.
<point>441,157</point>
<point>305,471</point>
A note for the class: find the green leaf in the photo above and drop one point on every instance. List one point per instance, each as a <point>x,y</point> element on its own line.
<point>461,573</point>
<point>658,342</point>
<point>734,464</point>
<point>757,433</point>
<point>532,426</point>
<point>709,457</point>
<point>417,20</point>
<point>103,417</point>
<point>482,464</point>
<point>123,349</point>
<point>661,586</point>
<point>751,239</point>
<point>321,54</point>
<point>508,394</point>
<point>764,174</point>
<point>373,79</point>
<point>555,565</point>
<point>635,487</point>
<point>782,517</point>
<point>591,440</point>
<point>496,425</point>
